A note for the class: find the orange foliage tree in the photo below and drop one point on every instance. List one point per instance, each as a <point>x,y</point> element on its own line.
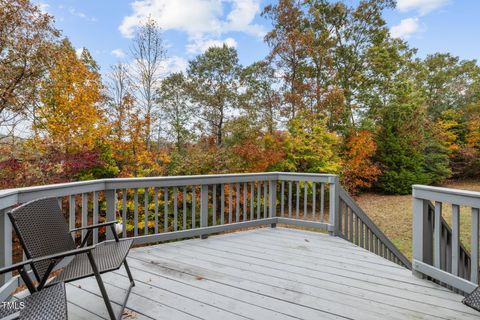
<point>359,171</point>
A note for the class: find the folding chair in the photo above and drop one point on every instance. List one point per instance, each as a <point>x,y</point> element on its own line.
<point>43,233</point>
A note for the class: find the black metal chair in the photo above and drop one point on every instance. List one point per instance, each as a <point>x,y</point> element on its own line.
<point>43,233</point>
<point>48,304</point>
<point>473,299</point>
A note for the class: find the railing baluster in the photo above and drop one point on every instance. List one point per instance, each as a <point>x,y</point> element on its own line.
<point>175,208</point>
<point>244,201</point>
<point>314,199</point>
<point>155,201</point>
<point>265,199</point>
<point>282,196</point>
<point>367,238</point>
<point>184,211</point>
<point>474,246</point>
<point>455,238</point>
<point>95,216</point>
<point>222,204</point>
<point>373,243</point>
<point>145,210</point>
<point>71,212</point>
<point>214,205</point>
<point>84,213</point>
<point>194,206</point>
<point>165,209</point>
<point>347,225</point>
<point>297,203</point>
<point>437,234</point>
<point>237,205</point>
<point>305,200</point>
<point>290,199</point>
<point>350,237</point>
<point>357,233</point>
<point>259,198</point>
<point>124,212</point>
<point>340,220</point>
<point>230,205</point>
<point>135,213</point>
<point>361,234</point>
<point>322,201</point>
<point>443,249</point>
<point>203,208</point>
<point>272,186</point>
<point>252,200</point>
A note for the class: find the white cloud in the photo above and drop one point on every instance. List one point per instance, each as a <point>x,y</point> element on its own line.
<point>204,21</point>
<point>201,45</point>
<point>406,28</point>
<point>118,53</point>
<point>422,6</point>
<point>174,64</point>
<point>75,12</point>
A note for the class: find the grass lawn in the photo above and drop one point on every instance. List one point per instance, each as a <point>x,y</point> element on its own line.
<point>393,215</point>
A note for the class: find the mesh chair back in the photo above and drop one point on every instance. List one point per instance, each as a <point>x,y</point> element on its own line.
<point>42,230</point>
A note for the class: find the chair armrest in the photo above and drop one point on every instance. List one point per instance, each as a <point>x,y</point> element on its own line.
<point>94,226</point>
<point>64,254</point>
<point>15,266</point>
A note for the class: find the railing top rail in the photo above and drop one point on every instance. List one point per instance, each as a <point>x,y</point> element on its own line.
<point>9,197</point>
<point>448,195</point>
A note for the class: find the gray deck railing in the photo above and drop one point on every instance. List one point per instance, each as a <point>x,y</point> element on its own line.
<point>159,209</point>
<point>437,249</point>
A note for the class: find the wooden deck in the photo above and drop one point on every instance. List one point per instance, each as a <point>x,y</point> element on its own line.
<point>266,274</point>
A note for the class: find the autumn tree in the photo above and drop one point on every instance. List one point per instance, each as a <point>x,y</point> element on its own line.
<point>176,107</point>
<point>214,82</point>
<point>27,41</point>
<point>448,82</point>
<point>148,52</point>
<point>359,171</point>
<point>261,99</point>
<point>287,51</point>
<point>69,116</point>
<point>310,146</point>
<point>120,99</point>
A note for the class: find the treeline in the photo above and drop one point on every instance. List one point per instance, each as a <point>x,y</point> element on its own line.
<point>336,94</point>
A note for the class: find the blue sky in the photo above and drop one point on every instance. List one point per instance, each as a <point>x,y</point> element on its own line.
<point>190,26</point>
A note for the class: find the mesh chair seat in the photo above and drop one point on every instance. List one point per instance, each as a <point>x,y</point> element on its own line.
<point>108,255</point>
<point>473,299</point>
<point>48,304</point>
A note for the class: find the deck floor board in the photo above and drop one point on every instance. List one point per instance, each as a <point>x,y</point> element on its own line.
<point>266,274</point>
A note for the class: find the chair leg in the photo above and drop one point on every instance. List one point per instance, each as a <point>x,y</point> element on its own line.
<point>108,304</point>
<point>132,282</point>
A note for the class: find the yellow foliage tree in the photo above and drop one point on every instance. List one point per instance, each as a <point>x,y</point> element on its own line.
<point>69,117</point>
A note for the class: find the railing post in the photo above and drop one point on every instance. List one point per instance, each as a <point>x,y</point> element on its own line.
<point>418,239</point>
<point>474,246</point>
<point>334,206</point>
<point>5,245</point>
<point>273,200</point>
<point>111,198</point>
<point>204,208</point>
